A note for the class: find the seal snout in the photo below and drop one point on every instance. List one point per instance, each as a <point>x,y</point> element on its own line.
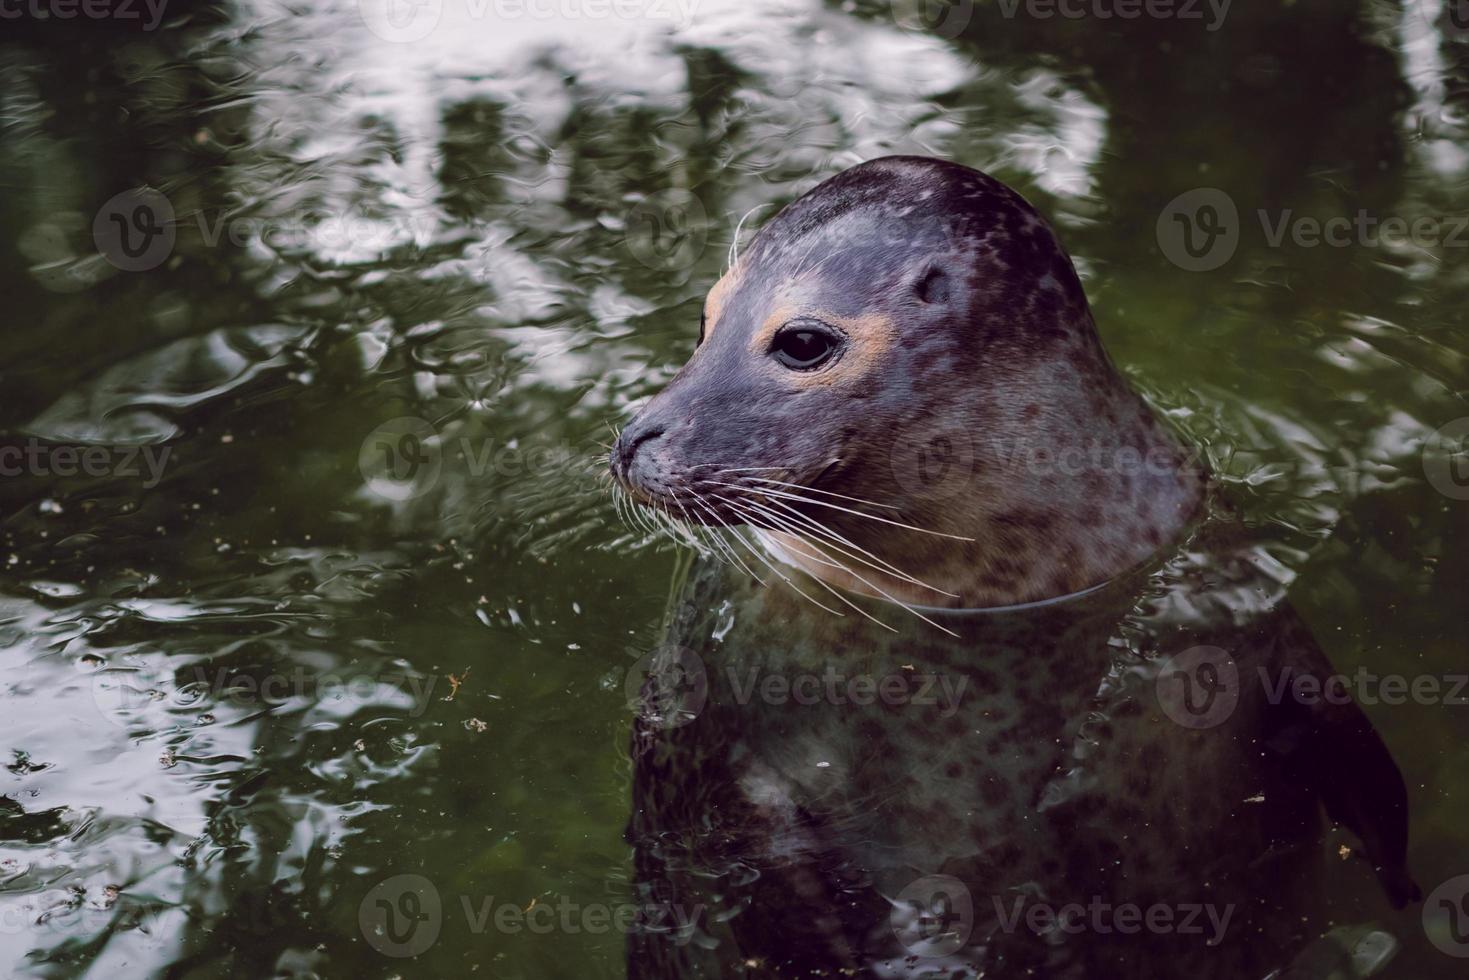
<point>632,457</point>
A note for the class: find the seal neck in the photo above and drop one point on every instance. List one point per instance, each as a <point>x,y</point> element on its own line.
<point>1029,523</point>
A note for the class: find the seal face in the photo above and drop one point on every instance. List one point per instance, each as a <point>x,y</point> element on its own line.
<point>900,387</point>
<point>910,335</point>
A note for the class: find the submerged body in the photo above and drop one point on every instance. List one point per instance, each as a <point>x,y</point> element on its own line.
<point>994,803</point>
<point>994,678</point>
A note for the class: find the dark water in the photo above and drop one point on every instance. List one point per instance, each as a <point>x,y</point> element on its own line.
<point>310,577</point>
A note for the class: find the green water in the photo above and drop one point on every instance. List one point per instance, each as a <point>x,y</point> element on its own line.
<point>364,608</point>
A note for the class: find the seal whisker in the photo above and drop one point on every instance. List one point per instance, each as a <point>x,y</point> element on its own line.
<point>759,530</point>
<point>717,547</point>
<point>734,242</point>
<point>765,540</point>
<point>680,532</point>
<point>644,519</point>
<point>823,557</point>
<point>800,525</point>
<point>760,534</point>
<point>632,515</point>
<point>879,590</point>
<point>800,591</point>
<point>829,493</point>
<point>747,469</point>
<point>700,504</point>
<point>875,563</point>
<point>848,510</point>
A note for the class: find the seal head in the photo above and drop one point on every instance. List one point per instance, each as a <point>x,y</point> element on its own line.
<point>903,365</point>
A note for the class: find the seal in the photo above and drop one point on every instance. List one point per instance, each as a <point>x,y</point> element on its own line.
<point>905,317</point>
<point>1087,753</point>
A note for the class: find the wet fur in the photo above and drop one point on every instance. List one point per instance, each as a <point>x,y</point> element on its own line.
<point>1058,777</point>
<point>970,344</point>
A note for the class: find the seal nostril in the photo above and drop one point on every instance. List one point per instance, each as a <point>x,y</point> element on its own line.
<point>627,445</point>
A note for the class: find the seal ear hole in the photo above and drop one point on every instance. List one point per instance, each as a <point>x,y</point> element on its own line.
<point>933,285</point>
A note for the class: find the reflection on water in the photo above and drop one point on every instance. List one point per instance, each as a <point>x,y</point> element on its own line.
<point>371,612</point>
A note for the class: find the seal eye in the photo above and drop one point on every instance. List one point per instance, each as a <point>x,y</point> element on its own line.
<point>703,322</point>
<point>804,345</point>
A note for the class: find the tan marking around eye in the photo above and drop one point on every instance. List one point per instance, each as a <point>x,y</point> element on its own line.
<point>870,336</point>
<point>719,295</point>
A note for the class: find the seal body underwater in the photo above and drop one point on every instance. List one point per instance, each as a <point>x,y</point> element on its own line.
<point>985,679</point>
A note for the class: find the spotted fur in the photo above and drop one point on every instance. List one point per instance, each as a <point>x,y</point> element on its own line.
<point>972,368</point>
<point>970,348</point>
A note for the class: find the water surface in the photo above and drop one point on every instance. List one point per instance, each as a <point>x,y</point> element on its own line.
<point>344,597</point>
